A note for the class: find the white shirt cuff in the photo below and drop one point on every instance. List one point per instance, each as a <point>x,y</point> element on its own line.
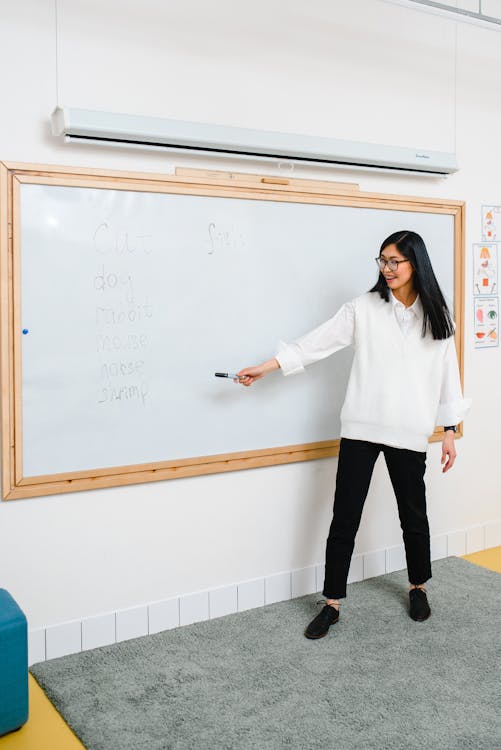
<point>289,359</point>
<point>454,412</point>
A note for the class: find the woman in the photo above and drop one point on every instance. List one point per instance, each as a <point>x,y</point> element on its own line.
<point>404,380</point>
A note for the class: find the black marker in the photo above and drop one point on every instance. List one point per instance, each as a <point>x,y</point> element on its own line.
<point>230,375</point>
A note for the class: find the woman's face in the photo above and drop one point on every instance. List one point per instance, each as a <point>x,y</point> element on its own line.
<point>402,275</point>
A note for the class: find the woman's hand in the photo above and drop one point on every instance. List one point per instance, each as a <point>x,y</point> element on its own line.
<point>448,451</point>
<point>248,375</point>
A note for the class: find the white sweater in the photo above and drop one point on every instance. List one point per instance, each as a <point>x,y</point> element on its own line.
<point>401,385</point>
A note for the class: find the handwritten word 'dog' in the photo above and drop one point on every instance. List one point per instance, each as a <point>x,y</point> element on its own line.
<point>108,280</point>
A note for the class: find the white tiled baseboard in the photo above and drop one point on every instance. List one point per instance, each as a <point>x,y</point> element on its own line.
<point>278,588</point>
<point>492,534</point>
<point>99,631</point>
<point>63,639</point>
<point>163,615</point>
<point>113,627</point>
<point>131,623</point>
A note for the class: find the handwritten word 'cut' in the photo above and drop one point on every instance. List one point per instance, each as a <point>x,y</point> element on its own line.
<point>110,241</point>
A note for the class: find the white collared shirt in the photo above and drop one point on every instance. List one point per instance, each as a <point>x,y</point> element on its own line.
<point>406,316</point>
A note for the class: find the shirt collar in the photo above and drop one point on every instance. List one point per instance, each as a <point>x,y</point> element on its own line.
<point>416,306</point>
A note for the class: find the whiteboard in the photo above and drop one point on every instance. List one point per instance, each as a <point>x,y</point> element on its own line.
<point>132,300</point>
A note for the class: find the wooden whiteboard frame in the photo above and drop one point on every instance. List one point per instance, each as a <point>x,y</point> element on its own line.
<point>187,182</point>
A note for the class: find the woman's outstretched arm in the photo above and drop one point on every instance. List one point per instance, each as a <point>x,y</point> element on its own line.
<point>248,375</point>
<point>321,342</point>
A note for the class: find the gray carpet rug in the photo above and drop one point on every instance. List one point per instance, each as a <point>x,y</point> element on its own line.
<point>252,681</point>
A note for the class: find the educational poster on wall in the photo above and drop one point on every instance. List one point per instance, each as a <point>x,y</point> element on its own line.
<point>486,322</point>
<point>491,223</point>
<point>485,268</point>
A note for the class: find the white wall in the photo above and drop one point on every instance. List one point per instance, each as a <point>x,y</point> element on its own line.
<point>363,70</point>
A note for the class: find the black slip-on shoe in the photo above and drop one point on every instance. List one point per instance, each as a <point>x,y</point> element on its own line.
<point>320,624</point>
<point>419,607</point>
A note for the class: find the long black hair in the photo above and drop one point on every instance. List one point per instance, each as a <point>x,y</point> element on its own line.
<point>437,317</point>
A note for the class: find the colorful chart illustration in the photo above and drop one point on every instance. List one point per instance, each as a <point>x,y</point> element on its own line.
<point>486,328</point>
<point>485,268</point>
<point>491,223</point>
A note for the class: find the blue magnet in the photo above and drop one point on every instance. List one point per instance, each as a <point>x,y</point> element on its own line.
<point>25,331</point>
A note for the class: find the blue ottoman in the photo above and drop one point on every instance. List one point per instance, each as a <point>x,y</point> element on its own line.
<point>13,665</point>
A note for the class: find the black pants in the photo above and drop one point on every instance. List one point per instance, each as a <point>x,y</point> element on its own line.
<point>406,469</point>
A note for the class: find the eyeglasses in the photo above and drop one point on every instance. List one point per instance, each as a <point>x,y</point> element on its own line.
<point>392,264</point>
